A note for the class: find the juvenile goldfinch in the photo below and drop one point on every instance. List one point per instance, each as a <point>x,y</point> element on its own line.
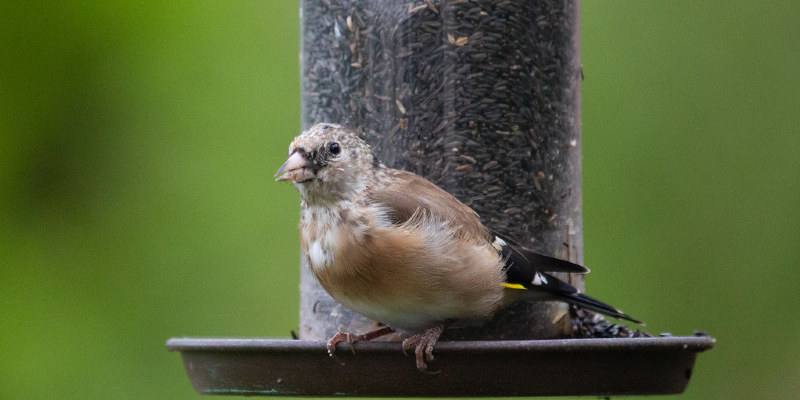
<point>394,247</point>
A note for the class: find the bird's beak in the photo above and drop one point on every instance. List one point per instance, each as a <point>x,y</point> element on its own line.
<point>296,169</point>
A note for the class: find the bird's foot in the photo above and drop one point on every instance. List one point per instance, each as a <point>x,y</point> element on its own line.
<point>351,338</point>
<point>422,344</point>
<point>339,338</point>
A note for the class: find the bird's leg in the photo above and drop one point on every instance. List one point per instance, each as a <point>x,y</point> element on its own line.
<point>422,344</point>
<point>351,338</point>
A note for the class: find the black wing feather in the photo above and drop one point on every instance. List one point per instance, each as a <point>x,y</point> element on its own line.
<point>545,283</point>
<point>569,294</point>
<point>525,262</point>
<point>526,268</point>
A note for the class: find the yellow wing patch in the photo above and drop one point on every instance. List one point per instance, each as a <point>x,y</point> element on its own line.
<point>514,286</point>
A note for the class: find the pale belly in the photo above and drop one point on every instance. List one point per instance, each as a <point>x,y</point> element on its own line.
<point>408,316</point>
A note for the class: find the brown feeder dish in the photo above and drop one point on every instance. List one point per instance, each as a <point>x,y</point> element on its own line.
<point>481,97</point>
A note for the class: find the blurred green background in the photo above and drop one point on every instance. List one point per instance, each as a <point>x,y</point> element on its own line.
<point>138,142</point>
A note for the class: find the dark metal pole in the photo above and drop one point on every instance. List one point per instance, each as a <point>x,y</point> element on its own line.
<point>482,97</point>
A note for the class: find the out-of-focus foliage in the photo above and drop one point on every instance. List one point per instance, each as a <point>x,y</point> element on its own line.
<point>138,142</point>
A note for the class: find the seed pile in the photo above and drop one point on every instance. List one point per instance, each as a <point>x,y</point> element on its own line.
<point>586,324</point>
<point>479,96</point>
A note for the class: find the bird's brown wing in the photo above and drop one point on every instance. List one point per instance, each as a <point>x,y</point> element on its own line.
<point>405,195</point>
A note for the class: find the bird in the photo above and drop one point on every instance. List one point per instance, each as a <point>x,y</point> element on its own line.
<point>395,248</point>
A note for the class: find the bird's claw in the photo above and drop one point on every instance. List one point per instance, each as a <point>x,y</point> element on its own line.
<point>351,338</point>
<point>422,344</point>
<point>339,338</point>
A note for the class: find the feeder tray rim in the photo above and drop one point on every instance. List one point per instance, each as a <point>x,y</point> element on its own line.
<point>693,343</point>
<point>505,368</point>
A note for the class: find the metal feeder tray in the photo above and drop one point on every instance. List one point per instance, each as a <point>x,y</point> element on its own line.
<point>560,367</point>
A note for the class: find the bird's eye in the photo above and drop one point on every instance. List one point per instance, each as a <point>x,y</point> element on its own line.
<point>334,148</point>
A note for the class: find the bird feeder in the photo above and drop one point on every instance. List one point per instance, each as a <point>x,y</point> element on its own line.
<point>481,97</point>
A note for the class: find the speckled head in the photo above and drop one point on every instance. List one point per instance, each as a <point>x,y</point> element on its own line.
<point>328,162</point>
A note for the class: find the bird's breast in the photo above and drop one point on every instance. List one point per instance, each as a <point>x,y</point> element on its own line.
<point>320,235</point>
<point>328,231</point>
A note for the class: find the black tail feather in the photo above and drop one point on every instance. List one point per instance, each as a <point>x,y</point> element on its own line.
<point>554,288</point>
<point>529,270</point>
<point>592,304</point>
